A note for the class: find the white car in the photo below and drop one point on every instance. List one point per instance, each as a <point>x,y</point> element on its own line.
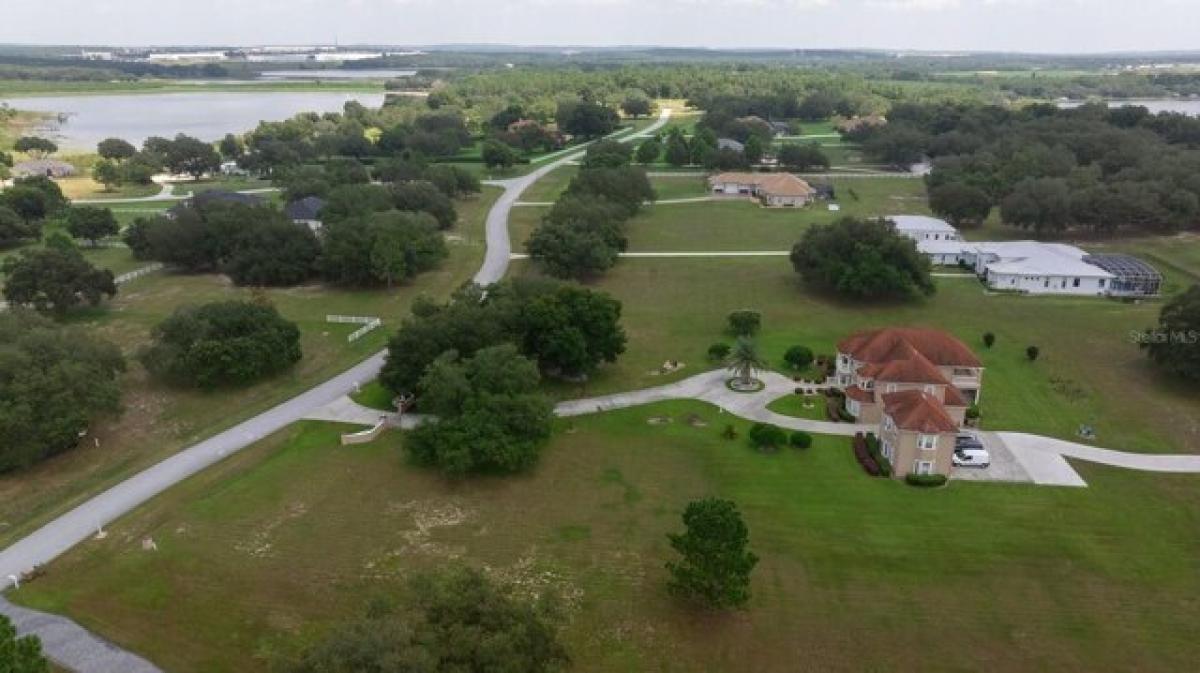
<point>971,457</point>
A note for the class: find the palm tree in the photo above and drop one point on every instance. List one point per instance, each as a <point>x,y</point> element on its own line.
<point>744,361</point>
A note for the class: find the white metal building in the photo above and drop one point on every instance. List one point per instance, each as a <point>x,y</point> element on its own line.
<point>924,228</point>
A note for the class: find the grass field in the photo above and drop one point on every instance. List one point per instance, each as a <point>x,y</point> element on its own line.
<point>159,420</point>
<point>232,184</point>
<point>1089,371</point>
<point>801,406</point>
<point>856,574</point>
<point>741,224</point>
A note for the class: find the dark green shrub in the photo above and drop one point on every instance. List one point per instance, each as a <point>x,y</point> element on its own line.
<point>800,439</point>
<point>925,480</point>
<point>798,357</point>
<point>745,322</point>
<point>1032,353</point>
<point>729,432</point>
<point>764,436</point>
<point>718,351</point>
<point>988,339</point>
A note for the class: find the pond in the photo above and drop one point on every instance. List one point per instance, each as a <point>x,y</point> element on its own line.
<point>1188,107</point>
<point>85,120</point>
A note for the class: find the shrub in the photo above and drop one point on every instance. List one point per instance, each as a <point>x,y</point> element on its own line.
<point>925,480</point>
<point>745,322</point>
<point>885,465</point>
<point>988,339</point>
<point>1032,353</point>
<point>798,357</point>
<point>800,439</point>
<point>718,352</point>
<point>729,432</point>
<point>863,453</point>
<point>972,412</point>
<point>764,436</point>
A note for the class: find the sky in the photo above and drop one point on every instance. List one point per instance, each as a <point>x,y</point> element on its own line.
<point>1043,26</point>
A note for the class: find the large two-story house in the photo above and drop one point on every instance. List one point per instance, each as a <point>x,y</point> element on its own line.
<point>917,385</point>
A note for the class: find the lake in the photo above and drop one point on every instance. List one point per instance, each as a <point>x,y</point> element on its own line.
<point>206,115</point>
<point>1188,107</point>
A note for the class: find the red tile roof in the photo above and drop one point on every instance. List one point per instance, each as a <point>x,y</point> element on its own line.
<point>917,411</point>
<point>911,367</point>
<point>859,395</point>
<point>882,345</point>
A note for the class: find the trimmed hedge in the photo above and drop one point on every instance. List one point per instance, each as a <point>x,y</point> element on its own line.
<point>800,439</point>
<point>925,480</point>
<point>863,454</point>
<point>885,465</point>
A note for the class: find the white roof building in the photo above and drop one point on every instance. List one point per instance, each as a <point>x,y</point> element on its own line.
<point>924,228</point>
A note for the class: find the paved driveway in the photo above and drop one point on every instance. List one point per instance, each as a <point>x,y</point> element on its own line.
<point>1004,466</point>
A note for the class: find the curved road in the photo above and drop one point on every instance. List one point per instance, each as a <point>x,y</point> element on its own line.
<point>85,653</point>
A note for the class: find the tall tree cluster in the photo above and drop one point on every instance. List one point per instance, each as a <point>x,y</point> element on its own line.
<point>584,232</point>
<point>1051,170</point>
<point>56,381</point>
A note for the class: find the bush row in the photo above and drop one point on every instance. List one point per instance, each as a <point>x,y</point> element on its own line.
<point>862,452</point>
<point>885,465</point>
<point>925,480</point>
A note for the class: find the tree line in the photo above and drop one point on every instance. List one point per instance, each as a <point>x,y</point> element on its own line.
<point>1051,170</point>
<point>583,233</point>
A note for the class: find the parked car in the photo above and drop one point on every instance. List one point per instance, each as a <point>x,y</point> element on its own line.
<point>967,441</point>
<point>971,457</point>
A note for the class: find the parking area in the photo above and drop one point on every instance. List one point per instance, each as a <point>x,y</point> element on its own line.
<point>1020,464</point>
<point>1004,465</point>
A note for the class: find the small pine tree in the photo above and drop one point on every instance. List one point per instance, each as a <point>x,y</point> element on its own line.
<point>715,565</point>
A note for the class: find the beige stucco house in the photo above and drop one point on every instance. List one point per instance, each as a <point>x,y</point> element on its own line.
<point>775,190</point>
<point>916,384</point>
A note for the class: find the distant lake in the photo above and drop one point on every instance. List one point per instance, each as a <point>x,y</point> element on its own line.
<point>1188,106</point>
<point>336,74</point>
<point>206,115</point>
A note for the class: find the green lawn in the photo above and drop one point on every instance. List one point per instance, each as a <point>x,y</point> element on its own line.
<point>742,224</point>
<point>375,396</point>
<point>800,406</point>
<point>551,186</point>
<point>1089,371</point>
<point>274,545</point>
<point>159,420</point>
<point>231,183</point>
<point>679,186</point>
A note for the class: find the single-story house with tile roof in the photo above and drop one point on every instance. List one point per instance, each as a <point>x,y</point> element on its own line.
<point>51,168</point>
<point>917,383</point>
<point>776,190</point>
<point>306,211</point>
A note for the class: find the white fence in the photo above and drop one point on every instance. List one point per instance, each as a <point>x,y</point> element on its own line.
<point>126,277</point>
<point>368,323</point>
